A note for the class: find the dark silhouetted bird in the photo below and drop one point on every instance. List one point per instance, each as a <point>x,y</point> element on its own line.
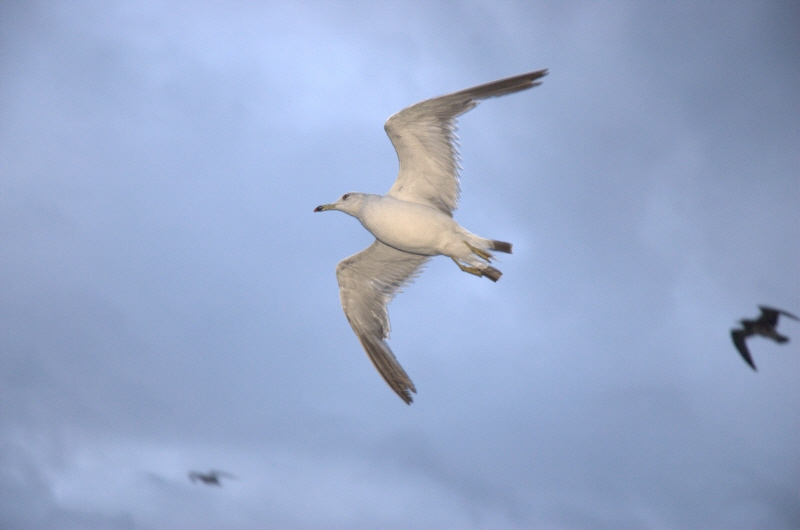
<point>211,478</point>
<point>764,325</point>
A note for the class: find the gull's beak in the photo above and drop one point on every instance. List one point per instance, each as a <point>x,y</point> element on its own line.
<point>323,207</point>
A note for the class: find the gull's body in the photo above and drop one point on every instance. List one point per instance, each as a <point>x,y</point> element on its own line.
<point>414,220</point>
<point>413,227</point>
<point>764,325</point>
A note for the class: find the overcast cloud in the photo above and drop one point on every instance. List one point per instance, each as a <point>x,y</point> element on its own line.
<point>168,300</point>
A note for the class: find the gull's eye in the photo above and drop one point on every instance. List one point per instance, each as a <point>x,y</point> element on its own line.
<point>345,196</point>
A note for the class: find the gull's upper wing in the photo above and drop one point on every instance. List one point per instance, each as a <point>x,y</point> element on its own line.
<point>424,137</point>
<point>738,336</point>
<point>788,314</point>
<point>772,314</point>
<point>367,283</point>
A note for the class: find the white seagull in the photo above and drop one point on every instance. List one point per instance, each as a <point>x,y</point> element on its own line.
<point>414,220</point>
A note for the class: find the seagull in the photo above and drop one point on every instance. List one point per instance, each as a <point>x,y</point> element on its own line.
<point>764,325</point>
<point>414,221</point>
<point>211,478</point>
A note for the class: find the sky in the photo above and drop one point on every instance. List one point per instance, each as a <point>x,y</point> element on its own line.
<point>168,301</point>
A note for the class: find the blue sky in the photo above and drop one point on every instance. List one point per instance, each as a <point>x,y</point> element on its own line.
<point>168,300</point>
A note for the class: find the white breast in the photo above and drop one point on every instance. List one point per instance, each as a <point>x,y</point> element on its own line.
<point>408,226</point>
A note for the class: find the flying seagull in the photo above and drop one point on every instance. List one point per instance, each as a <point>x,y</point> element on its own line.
<point>764,325</point>
<point>211,478</point>
<point>414,220</point>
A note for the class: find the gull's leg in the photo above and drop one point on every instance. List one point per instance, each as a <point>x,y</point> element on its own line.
<point>490,272</point>
<point>472,270</point>
<point>482,253</point>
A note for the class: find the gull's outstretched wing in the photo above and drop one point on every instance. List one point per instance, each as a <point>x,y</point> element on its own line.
<point>739,336</point>
<point>424,137</point>
<point>770,314</point>
<point>367,283</point>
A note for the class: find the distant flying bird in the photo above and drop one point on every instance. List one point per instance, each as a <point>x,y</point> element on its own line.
<point>211,478</point>
<point>764,325</point>
<point>414,220</point>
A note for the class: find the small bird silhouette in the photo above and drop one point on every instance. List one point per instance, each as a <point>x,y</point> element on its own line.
<point>211,478</point>
<point>764,325</point>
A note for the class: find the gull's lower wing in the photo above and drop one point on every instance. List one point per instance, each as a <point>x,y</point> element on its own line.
<point>424,137</point>
<point>367,283</point>
<point>739,336</point>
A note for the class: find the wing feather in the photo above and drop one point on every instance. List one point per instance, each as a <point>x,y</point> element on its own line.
<point>368,281</point>
<point>424,136</point>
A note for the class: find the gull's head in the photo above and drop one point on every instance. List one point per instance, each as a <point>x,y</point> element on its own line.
<point>348,203</point>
